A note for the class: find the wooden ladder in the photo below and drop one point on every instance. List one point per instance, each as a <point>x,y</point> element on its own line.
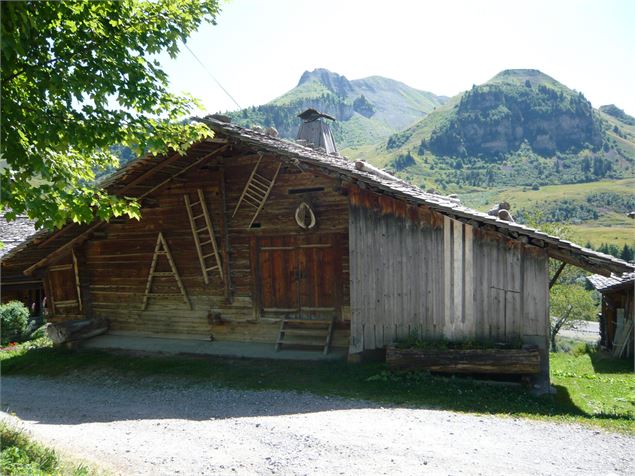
<point>162,249</point>
<point>204,236</point>
<point>304,332</point>
<point>256,191</point>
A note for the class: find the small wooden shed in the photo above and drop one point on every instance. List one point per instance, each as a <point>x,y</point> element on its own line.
<point>252,238</point>
<point>617,311</point>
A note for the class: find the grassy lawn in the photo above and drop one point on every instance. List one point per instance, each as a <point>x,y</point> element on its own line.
<point>591,389</point>
<point>20,455</point>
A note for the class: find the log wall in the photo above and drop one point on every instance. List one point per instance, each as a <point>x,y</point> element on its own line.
<point>415,271</point>
<point>114,264</point>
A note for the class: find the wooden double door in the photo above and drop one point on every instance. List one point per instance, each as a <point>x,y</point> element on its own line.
<point>299,276</point>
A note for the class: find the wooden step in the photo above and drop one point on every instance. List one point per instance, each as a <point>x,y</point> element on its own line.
<point>306,323</point>
<point>305,332</point>
<point>311,342</point>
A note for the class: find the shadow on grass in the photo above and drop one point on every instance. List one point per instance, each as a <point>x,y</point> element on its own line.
<point>159,384</point>
<point>605,363</point>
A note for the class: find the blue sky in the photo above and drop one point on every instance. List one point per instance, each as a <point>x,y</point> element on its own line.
<point>260,48</point>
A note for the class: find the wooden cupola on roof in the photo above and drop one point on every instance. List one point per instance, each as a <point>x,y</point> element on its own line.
<point>316,133</point>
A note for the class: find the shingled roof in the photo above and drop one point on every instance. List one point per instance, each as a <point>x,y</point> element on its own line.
<point>230,134</point>
<point>14,232</point>
<point>612,282</point>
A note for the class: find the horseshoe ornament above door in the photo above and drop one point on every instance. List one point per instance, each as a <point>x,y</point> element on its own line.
<point>304,216</point>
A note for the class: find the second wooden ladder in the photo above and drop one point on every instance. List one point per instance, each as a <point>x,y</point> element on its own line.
<point>204,237</point>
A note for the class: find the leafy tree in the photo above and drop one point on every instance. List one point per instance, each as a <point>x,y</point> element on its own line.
<point>78,77</point>
<point>569,303</point>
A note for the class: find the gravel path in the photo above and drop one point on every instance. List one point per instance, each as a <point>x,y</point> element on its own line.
<point>150,427</point>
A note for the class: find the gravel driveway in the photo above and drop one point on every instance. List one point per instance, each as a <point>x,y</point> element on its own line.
<point>150,427</point>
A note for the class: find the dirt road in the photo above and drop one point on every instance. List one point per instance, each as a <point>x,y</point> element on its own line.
<point>150,427</point>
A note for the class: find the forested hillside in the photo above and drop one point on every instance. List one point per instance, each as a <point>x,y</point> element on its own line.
<point>520,128</point>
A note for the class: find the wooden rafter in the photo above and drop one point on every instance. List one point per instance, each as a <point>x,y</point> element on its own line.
<point>162,249</point>
<point>203,234</point>
<point>557,274</point>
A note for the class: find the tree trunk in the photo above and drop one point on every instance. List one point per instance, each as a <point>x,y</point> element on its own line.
<point>70,331</point>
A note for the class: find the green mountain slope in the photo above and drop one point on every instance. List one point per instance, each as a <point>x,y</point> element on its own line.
<point>521,128</point>
<point>367,110</point>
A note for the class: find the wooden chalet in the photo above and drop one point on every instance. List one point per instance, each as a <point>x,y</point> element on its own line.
<point>617,311</point>
<point>252,238</point>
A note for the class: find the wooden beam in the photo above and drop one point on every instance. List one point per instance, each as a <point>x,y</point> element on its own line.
<point>226,248</point>
<point>182,171</point>
<point>64,248</point>
<point>56,234</point>
<point>148,173</point>
<point>604,269</point>
<point>557,274</point>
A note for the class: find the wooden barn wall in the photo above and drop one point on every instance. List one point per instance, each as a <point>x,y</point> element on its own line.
<point>116,262</point>
<point>416,271</point>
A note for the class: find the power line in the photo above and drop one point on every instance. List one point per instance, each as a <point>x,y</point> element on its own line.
<point>212,76</point>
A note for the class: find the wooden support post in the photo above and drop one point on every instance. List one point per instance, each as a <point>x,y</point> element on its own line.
<point>226,248</point>
<point>84,283</point>
<point>557,275</point>
<point>77,287</point>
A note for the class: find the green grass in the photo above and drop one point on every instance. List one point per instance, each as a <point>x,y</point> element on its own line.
<point>607,380</point>
<point>616,234</point>
<point>20,455</point>
<point>610,227</point>
<point>519,197</point>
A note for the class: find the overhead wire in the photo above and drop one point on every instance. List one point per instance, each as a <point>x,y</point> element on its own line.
<point>212,76</point>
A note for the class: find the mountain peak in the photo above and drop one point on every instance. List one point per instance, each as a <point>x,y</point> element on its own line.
<point>522,76</point>
<point>332,81</point>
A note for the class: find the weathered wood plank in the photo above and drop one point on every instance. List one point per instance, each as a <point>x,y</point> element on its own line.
<point>472,361</point>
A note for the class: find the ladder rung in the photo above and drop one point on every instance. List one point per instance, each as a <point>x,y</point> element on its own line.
<point>211,268</point>
<point>255,195</point>
<point>201,229</point>
<point>251,202</point>
<point>263,180</point>
<point>163,273</point>
<point>258,187</point>
<point>203,243</point>
<point>198,216</point>
<point>207,256</point>
<point>195,203</point>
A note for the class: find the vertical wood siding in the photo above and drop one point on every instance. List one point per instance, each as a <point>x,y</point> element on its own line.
<point>422,273</point>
